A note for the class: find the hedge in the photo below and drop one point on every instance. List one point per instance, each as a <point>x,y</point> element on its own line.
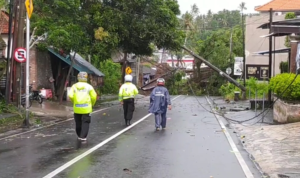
<point>280,82</point>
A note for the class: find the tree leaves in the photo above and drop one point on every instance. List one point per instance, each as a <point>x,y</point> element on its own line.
<point>102,26</point>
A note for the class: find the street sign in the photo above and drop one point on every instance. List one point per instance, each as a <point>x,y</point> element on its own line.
<point>128,70</point>
<point>228,71</point>
<point>20,55</point>
<point>238,66</point>
<point>29,7</point>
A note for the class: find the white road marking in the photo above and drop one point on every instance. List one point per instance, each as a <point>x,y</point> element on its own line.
<point>15,135</point>
<point>237,153</point>
<point>76,159</point>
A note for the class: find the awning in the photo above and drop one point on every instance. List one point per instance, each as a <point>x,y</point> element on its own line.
<point>289,22</point>
<point>80,64</point>
<point>277,51</point>
<point>275,34</point>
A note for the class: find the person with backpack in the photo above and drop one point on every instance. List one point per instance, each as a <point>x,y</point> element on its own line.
<point>159,103</point>
<point>83,97</point>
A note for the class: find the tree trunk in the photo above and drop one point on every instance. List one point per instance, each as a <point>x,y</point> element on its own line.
<point>172,60</point>
<point>198,63</point>
<point>124,67</point>
<point>67,78</point>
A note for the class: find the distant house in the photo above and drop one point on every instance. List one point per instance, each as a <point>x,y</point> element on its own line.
<point>257,43</point>
<point>4,27</point>
<point>148,74</point>
<point>48,69</point>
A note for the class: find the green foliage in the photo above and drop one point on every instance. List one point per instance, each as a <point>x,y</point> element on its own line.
<point>179,86</point>
<point>227,90</point>
<point>280,82</point>
<point>283,67</point>
<point>290,15</point>
<point>219,54</point>
<point>112,72</point>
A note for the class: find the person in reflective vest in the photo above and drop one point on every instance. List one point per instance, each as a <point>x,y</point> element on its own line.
<point>84,98</point>
<point>159,102</point>
<point>127,93</point>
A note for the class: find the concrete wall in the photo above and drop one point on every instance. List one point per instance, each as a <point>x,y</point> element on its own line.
<point>286,113</point>
<point>255,43</point>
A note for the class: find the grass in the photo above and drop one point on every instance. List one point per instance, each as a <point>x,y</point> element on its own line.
<point>11,123</point>
<point>15,122</point>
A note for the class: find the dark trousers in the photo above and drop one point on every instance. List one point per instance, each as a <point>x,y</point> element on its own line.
<point>128,107</point>
<point>161,120</point>
<point>82,122</point>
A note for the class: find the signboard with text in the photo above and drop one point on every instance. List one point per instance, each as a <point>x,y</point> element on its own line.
<point>261,72</point>
<point>238,66</point>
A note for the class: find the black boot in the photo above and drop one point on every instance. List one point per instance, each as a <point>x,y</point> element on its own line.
<point>129,122</point>
<point>126,122</point>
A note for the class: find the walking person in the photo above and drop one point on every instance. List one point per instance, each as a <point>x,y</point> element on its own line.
<point>83,97</point>
<point>127,93</point>
<point>159,103</point>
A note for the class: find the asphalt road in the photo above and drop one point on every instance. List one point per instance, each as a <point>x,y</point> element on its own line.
<point>192,146</point>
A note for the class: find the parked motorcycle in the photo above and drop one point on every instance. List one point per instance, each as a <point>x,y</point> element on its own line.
<point>33,95</point>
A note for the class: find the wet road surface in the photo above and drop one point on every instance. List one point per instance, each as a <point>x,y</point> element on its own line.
<point>193,146</point>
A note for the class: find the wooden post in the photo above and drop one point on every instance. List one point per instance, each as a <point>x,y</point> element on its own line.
<point>270,53</point>
<point>67,78</point>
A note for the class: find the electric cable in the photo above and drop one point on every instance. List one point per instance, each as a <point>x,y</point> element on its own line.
<point>236,121</point>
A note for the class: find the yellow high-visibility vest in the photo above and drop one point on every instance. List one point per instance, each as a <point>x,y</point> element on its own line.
<point>127,90</point>
<point>83,97</point>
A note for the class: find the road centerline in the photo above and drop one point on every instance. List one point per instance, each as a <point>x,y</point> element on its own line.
<point>76,159</point>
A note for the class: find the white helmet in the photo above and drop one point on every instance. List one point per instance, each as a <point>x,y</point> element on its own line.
<point>82,77</point>
<point>161,81</point>
<point>128,78</point>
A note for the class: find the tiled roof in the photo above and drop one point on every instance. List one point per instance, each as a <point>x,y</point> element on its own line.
<point>4,18</point>
<point>281,5</point>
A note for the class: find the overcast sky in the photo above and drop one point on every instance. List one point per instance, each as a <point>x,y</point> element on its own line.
<point>218,5</point>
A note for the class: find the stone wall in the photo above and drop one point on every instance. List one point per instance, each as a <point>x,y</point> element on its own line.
<point>285,113</point>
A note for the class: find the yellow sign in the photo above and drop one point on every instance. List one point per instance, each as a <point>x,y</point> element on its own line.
<point>128,70</point>
<point>29,7</point>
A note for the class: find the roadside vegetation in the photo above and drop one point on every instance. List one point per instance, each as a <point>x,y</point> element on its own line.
<point>253,86</point>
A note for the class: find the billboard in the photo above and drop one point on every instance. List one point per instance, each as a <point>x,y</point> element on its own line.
<point>261,72</point>
<point>238,66</point>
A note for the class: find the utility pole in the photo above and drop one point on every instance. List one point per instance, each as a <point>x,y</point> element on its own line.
<point>14,46</point>
<point>29,8</point>
<point>215,69</point>
<point>231,31</point>
<point>20,43</point>
<point>244,56</point>
<point>9,59</point>
<point>270,53</point>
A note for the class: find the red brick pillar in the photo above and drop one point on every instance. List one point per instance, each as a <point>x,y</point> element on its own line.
<point>295,40</point>
<point>33,78</point>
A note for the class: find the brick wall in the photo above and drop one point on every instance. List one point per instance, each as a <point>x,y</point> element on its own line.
<point>40,69</point>
<point>32,67</point>
<point>294,44</point>
<point>293,65</point>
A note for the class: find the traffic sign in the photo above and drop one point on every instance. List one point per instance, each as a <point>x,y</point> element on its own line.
<point>128,70</point>
<point>29,7</point>
<point>20,55</point>
<point>228,70</point>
